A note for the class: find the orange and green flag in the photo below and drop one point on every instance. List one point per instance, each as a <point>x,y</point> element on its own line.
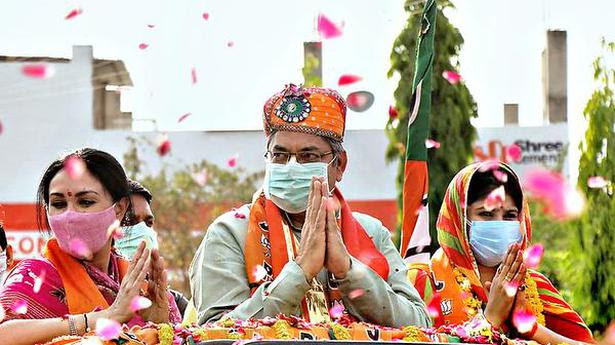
<point>415,237</point>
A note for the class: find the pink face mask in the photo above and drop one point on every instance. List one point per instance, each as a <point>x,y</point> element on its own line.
<point>81,234</point>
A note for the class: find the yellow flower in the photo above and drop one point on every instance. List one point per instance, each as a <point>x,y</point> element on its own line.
<point>413,334</point>
<point>533,299</point>
<point>340,332</point>
<point>165,334</point>
<point>282,330</point>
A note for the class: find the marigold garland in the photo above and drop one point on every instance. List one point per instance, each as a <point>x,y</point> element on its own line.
<point>414,334</point>
<point>165,334</point>
<point>533,299</point>
<point>340,332</point>
<point>282,329</point>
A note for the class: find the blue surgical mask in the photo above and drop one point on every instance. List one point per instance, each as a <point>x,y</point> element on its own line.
<point>133,236</point>
<point>490,240</point>
<point>288,185</point>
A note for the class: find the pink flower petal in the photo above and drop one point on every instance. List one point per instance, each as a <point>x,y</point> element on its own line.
<point>511,288</point>
<point>434,309</point>
<point>326,28</point>
<point>73,13</point>
<point>609,334</point>
<point>200,177</point>
<point>452,77</point>
<point>495,199</point>
<point>597,182</point>
<point>524,321</point>
<point>230,44</point>
<point>79,248</point>
<point>183,117</point>
<point>260,273</point>
<point>500,176</point>
<point>205,15</point>
<point>347,79</point>
<point>392,112</point>
<point>514,153</point>
<point>143,46</point>
<point>107,329</point>
<point>490,164</point>
<point>360,101</point>
<point>240,215</point>
<point>532,256</point>
<point>430,143</point>
<point>74,166</point>
<point>193,75</point>
<point>356,293</point>
<point>38,71</point>
<point>164,146</point>
<point>1,127</point>
<point>20,307</point>
<point>336,311</point>
<point>140,303</point>
<point>232,161</point>
<point>38,282</point>
<point>561,200</point>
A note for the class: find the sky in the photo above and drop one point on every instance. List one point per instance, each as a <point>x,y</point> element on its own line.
<point>500,61</point>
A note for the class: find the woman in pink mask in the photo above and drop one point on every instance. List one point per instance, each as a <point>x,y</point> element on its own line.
<point>81,279</point>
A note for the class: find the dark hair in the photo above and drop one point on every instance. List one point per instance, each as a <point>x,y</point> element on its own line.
<point>137,188</point>
<point>483,183</point>
<point>3,242</point>
<point>100,164</point>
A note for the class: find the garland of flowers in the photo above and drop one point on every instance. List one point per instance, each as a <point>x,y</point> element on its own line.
<point>165,334</point>
<point>473,304</point>
<point>413,334</point>
<point>340,332</point>
<point>282,329</point>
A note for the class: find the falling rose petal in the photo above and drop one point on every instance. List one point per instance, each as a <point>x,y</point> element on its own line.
<point>260,273</point>
<point>430,143</point>
<point>495,199</point>
<point>107,329</point>
<point>511,288</point>
<point>73,13</point>
<point>193,75</point>
<point>200,177</point>
<point>597,182</point>
<point>19,307</point>
<point>347,79</point>
<point>524,321</point>
<point>79,247</point>
<point>115,230</point>
<point>183,117</point>
<point>38,282</point>
<point>232,161</point>
<point>609,334</point>
<point>356,293</point>
<point>490,164</point>
<point>360,101</point>
<point>140,303</point>
<point>205,16</point>
<point>326,28</point>
<point>164,146</point>
<point>392,112</point>
<point>561,200</point>
<point>38,71</point>
<point>240,215</point>
<point>532,256</point>
<point>514,153</point>
<point>500,176</point>
<point>1,127</point>
<point>230,44</point>
<point>452,77</point>
<point>74,167</point>
<point>336,311</point>
<point>143,46</point>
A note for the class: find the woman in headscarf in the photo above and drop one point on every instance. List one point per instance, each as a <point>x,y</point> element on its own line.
<point>483,229</point>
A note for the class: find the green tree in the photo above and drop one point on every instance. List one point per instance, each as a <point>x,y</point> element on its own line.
<point>452,107</point>
<point>185,204</point>
<point>591,278</point>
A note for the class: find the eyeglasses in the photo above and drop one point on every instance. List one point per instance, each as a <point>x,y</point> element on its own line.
<point>281,157</point>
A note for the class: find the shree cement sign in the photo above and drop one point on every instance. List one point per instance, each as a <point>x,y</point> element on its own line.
<point>541,146</point>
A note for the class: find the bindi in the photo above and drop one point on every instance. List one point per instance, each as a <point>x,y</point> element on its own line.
<point>69,194</point>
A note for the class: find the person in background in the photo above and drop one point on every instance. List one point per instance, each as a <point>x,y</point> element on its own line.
<point>138,226</point>
<point>479,268</point>
<point>81,279</point>
<point>298,249</point>
<point>6,255</point>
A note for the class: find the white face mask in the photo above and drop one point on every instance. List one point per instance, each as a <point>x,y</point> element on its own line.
<point>133,236</point>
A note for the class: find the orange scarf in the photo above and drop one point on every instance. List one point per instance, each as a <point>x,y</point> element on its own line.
<point>82,295</point>
<point>270,244</point>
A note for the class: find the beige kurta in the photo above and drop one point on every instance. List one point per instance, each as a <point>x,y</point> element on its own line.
<point>219,282</point>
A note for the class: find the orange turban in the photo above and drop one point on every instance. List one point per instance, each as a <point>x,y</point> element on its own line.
<point>313,110</point>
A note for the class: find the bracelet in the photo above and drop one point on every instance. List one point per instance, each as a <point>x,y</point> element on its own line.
<point>72,330</point>
<point>87,326</point>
